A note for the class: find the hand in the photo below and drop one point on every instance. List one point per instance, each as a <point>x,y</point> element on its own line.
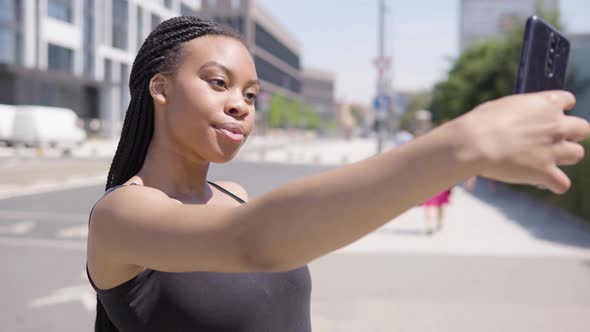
<point>524,138</point>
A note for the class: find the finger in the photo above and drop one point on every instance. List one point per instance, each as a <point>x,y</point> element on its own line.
<point>575,128</point>
<point>556,181</point>
<point>562,99</point>
<point>568,153</point>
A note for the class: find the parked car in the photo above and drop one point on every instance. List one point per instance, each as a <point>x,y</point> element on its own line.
<point>41,126</point>
<point>6,124</point>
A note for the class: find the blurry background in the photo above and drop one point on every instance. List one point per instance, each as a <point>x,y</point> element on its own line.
<point>341,81</point>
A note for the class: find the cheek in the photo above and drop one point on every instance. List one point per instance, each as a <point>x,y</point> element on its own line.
<point>186,114</point>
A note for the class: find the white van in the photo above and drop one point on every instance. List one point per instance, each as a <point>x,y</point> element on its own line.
<point>6,124</point>
<point>40,126</point>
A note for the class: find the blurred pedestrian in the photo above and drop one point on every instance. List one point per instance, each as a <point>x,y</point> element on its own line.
<point>170,251</point>
<point>434,208</point>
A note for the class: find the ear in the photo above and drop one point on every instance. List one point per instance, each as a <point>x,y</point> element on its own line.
<point>158,86</point>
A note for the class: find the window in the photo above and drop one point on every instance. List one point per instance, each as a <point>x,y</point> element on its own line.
<point>276,76</point>
<point>270,44</point>
<point>89,37</point>
<point>120,32</point>
<point>7,11</point>
<point>60,9</point>
<point>168,3</point>
<point>59,58</point>
<point>124,89</point>
<point>186,10</point>
<point>139,27</point>
<point>8,42</point>
<point>155,21</point>
<point>108,70</point>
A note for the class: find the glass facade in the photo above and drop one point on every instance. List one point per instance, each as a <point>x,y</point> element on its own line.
<point>124,89</point>
<point>186,10</point>
<point>139,27</point>
<point>60,58</point>
<point>236,22</point>
<point>120,31</point>
<point>276,76</point>
<point>10,31</point>
<point>8,42</point>
<point>7,11</point>
<point>266,41</point>
<point>88,37</point>
<point>155,21</point>
<point>108,70</point>
<point>60,9</point>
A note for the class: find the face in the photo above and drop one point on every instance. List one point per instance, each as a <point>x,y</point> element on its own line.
<point>207,106</point>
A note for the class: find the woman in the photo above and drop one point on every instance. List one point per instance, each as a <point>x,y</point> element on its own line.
<point>168,251</point>
<point>436,205</point>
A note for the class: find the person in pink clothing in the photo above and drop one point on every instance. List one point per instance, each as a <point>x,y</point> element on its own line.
<point>436,203</point>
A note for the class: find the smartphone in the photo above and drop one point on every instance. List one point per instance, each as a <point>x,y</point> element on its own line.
<point>543,58</point>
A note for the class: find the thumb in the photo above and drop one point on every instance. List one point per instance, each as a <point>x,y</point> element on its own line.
<point>557,181</point>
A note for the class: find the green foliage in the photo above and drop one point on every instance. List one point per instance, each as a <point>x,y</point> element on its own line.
<point>488,71</point>
<point>483,72</point>
<point>419,101</point>
<point>276,113</point>
<point>577,199</point>
<point>285,113</point>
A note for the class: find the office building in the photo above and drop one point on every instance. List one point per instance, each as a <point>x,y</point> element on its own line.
<point>277,54</point>
<point>318,92</point>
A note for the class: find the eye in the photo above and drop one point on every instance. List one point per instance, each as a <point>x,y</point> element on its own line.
<point>217,82</point>
<point>250,96</point>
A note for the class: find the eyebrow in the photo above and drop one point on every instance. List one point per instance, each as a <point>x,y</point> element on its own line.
<point>226,70</point>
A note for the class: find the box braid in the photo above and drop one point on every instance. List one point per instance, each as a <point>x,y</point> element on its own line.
<point>160,53</point>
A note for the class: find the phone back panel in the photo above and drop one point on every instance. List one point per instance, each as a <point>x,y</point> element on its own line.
<point>541,69</point>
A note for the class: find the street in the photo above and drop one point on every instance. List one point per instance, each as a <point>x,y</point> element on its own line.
<point>501,263</point>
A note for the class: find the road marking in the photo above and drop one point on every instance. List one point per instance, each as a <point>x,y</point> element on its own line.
<point>74,232</point>
<point>51,216</point>
<point>80,293</point>
<point>45,187</point>
<point>19,228</point>
<point>43,243</point>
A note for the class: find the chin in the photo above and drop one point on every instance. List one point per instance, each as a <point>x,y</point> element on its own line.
<point>224,155</point>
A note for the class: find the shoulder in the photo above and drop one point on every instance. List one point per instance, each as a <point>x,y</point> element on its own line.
<point>128,202</point>
<point>235,188</point>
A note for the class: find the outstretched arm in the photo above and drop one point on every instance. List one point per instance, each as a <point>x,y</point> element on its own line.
<point>518,139</point>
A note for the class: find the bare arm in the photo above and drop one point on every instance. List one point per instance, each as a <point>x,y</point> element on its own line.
<point>308,218</point>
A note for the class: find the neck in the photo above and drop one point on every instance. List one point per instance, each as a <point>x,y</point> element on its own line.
<point>174,172</point>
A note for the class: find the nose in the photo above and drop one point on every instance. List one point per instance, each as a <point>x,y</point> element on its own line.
<point>236,106</point>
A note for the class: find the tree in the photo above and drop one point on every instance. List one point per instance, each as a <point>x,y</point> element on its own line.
<point>419,101</point>
<point>483,72</point>
<point>276,112</point>
<point>284,113</point>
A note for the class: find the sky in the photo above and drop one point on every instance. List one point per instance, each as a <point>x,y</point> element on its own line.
<point>423,36</point>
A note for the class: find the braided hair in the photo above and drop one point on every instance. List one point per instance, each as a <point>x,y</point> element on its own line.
<point>160,53</point>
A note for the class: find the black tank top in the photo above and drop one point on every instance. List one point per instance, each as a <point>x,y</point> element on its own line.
<point>210,301</point>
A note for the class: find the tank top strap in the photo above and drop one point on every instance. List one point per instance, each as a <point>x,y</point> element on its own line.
<point>229,193</point>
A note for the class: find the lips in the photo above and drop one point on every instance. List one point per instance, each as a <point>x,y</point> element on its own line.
<point>233,131</point>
